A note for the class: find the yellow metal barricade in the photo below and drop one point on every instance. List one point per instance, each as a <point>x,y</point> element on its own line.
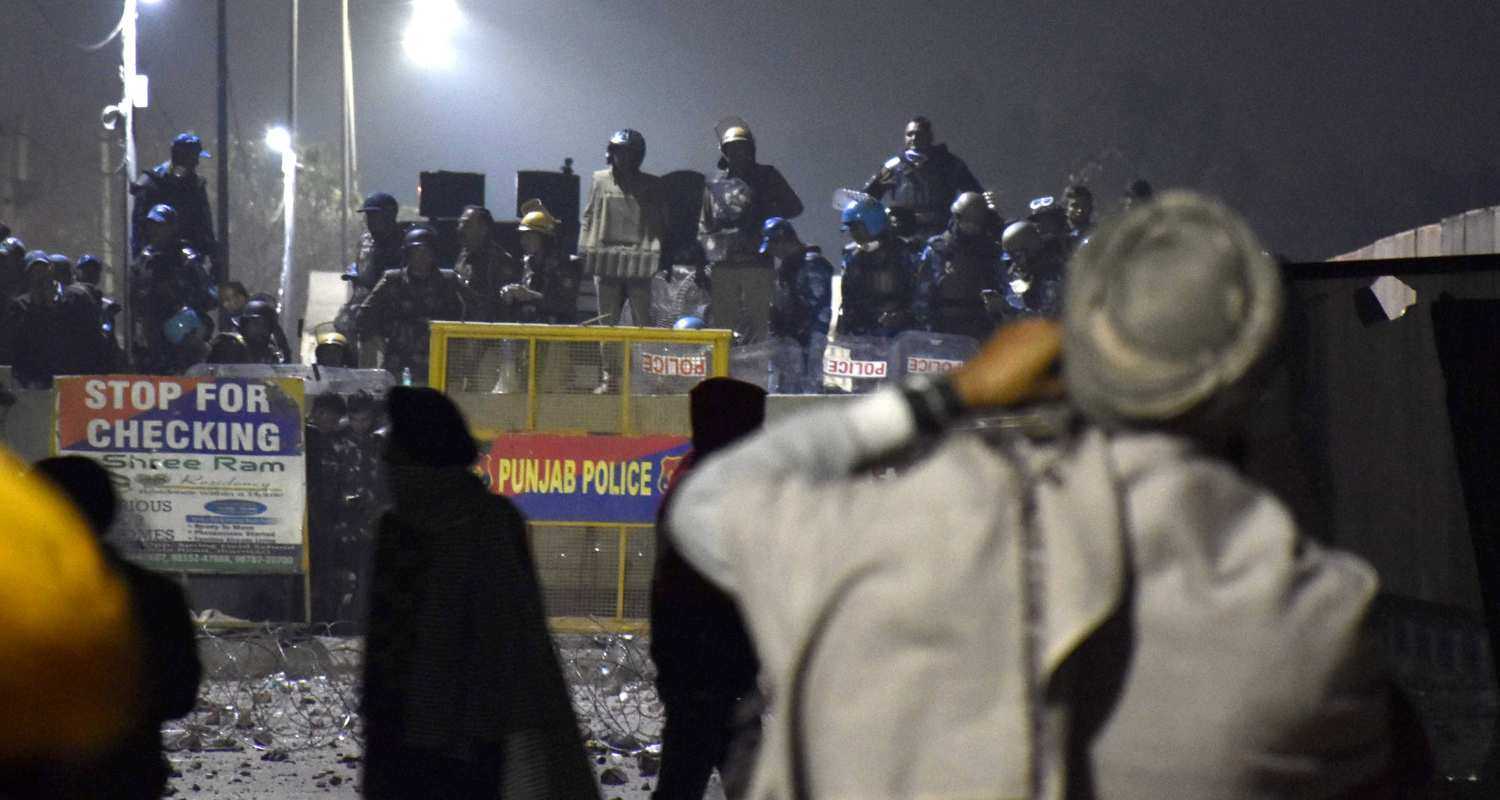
<point>563,379</point>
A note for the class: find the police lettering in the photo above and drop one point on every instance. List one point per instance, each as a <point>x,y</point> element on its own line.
<point>917,365</point>
<point>674,366</point>
<point>843,368</point>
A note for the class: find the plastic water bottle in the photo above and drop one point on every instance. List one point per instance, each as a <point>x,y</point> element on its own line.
<point>406,376</point>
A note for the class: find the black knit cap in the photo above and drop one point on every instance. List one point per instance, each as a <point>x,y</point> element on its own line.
<point>427,429</point>
<point>87,484</point>
<point>723,410</point>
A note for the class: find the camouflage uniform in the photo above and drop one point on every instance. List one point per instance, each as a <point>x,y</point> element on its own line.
<point>399,309</point>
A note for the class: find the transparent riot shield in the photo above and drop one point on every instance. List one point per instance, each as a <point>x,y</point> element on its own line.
<point>682,296</point>
<point>922,353</point>
<point>856,364</point>
<point>776,365</point>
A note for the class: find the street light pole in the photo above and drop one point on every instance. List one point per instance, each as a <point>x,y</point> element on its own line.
<point>127,120</point>
<point>346,111</point>
<point>221,260</point>
<point>279,140</point>
<point>290,297</point>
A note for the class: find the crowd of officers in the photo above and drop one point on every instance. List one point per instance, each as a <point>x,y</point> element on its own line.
<point>56,318</point>
<point>928,249</point>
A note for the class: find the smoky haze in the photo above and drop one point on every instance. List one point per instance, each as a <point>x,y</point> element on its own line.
<point>1329,124</point>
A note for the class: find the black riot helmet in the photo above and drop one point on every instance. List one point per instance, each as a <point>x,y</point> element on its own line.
<point>626,140</point>
<point>419,237</point>
<point>258,319</point>
<point>971,214</point>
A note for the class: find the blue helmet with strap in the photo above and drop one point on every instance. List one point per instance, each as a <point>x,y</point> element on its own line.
<point>868,212</point>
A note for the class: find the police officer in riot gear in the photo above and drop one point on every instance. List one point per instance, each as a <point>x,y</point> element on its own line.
<point>623,225</point>
<point>736,203</point>
<point>258,325</point>
<point>483,264</point>
<point>922,181</point>
<point>1033,275</point>
<point>367,491</point>
<point>548,291</point>
<point>31,338</point>
<point>801,306</point>
<point>381,245</point>
<point>172,296</point>
<point>380,249</point>
<point>176,183</point>
<point>90,272</point>
<point>957,269</point>
<point>406,300</point>
<point>12,268</point>
<point>878,271</point>
<point>331,463</point>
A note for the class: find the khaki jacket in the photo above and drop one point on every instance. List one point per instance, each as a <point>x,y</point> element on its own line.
<point>1105,614</point>
<point>620,233</point>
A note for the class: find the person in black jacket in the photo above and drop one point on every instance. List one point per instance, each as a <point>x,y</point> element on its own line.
<point>922,181</point>
<point>173,298</point>
<point>463,694</point>
<point>170,668</point>
<point>176,183</point>
<point>706,665</point>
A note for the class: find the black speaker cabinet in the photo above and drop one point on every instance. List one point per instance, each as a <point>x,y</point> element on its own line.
<point>443,195</point>
<point>558,191</point>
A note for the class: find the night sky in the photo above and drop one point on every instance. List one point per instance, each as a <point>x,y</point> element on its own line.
<point>1329,124</point>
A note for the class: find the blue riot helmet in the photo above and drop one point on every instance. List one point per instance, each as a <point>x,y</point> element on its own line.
<point>869,212</point>
<point>689,323</point>
<point>180,325</point>
<point>773,229</point>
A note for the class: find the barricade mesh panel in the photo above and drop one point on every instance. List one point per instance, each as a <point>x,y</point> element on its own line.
<point>578,386</point>
<point>583,381</point>
<point>578,567</point>
<point>497,366</point>
<point>668,367</point>
<point>640,556</point>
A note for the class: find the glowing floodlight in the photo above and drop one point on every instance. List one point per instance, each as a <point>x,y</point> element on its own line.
<point>279,139</point>
<point>428,40</point>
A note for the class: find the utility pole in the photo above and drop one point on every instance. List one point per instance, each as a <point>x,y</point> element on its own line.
<point>346,114</point>
<point>290,294</point>
<point>127,112</point>
<point>221,261</point>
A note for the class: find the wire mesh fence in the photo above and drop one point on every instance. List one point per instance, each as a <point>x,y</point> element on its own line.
<point>581,381</point>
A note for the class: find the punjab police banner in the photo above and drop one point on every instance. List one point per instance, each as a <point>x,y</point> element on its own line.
<point>210,471</point>
<point>585,479</point>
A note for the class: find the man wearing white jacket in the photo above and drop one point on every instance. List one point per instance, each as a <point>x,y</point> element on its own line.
<point>1080,602</point>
